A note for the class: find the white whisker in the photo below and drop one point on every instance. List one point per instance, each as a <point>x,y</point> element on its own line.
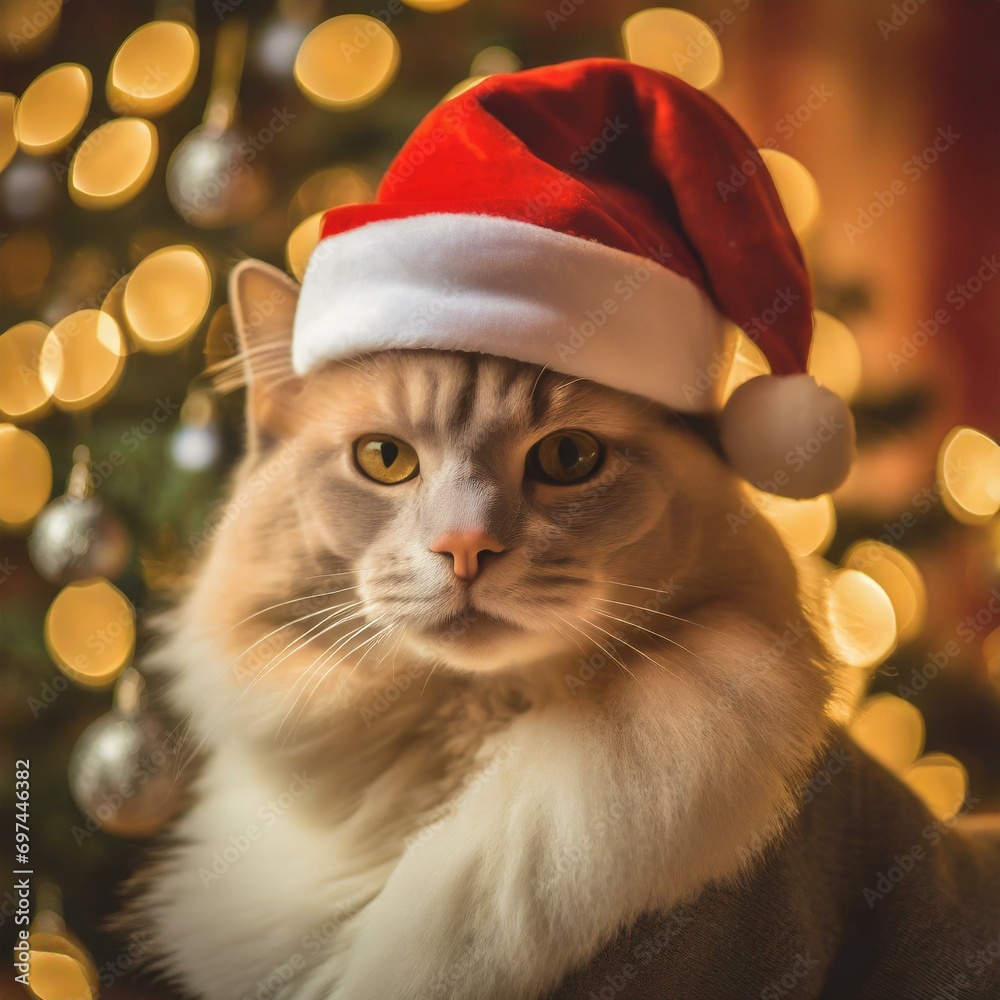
<point>665,638</point>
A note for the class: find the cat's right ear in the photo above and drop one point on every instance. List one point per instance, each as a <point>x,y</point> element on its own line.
<point>263,300</point>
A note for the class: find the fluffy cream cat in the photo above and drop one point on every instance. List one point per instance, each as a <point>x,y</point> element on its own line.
<point>479,674</point>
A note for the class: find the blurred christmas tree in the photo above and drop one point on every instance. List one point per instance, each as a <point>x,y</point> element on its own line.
<point>144,152</point>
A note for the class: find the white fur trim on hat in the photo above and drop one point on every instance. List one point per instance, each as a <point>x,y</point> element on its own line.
<point>498,286</point>
<point>788,435</point>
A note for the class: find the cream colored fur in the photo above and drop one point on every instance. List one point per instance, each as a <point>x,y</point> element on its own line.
<point>471,803</point>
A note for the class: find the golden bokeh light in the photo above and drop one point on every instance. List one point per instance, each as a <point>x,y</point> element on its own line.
<point>969,473</point>
<point>22,395</point>
<point>27,26</point>
<point>991,654</point>
<point>805,526</point>
<point>26,472</point>
<point>8,140</point>
<point>114,305</point>
<point>153,69</point>
<point>53,108</point>
<point>797,189</point>
<point>52,978</point>
<point>113,164</point>
<point>301,244</point>
<point>90,631</point>
<point>862,623</point>
<point>82,359</point>
<point>890,730</point>
<point>325,189</point>
<point>834,356</point>
<point>435,6</point>
<point>748,362</point>
<point>55,975</point>
<point>676,42</point>
<point>220,337</point>
<point>897,574</point>
<point>167,297</point>
<point>346,62</point>
<point>941,781</point>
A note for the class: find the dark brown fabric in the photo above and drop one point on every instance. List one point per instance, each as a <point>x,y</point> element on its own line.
<point>867,897</point>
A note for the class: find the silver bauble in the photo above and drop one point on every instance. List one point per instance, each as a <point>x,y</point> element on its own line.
<point>210,179</point>
<point>79,537</point>
<point>123,771</point>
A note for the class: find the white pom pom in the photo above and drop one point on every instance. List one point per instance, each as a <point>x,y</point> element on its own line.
<point>788,435</point>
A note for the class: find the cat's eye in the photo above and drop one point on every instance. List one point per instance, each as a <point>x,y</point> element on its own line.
<point>386,459</point>
<point>564,457</point>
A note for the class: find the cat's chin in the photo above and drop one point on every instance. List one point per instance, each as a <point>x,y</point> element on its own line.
<point>482,642</point>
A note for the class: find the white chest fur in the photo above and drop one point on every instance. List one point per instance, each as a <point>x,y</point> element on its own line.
<point>487,871</point>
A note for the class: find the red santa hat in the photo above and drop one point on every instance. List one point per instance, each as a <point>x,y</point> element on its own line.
<point>583,216</point>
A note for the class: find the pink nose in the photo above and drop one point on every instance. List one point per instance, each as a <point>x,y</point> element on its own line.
<point>466,547</point>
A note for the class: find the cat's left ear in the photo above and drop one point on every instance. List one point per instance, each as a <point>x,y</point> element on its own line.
<point>263,300</point>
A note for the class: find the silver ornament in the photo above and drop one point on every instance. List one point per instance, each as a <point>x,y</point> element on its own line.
<point>78,537</point>
<point>210,180</point>
<point>210,177</point>
<point>123,771</point>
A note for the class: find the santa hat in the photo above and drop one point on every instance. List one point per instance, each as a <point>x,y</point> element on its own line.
<point>591,217</point>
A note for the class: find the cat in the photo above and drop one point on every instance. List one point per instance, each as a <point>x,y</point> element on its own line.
<point>461,722</point>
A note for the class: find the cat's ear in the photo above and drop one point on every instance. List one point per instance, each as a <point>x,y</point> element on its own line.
<point>263,300</point>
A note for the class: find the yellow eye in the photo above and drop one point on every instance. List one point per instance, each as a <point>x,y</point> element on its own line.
<point>564,457</point>
<point>386,459</point>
